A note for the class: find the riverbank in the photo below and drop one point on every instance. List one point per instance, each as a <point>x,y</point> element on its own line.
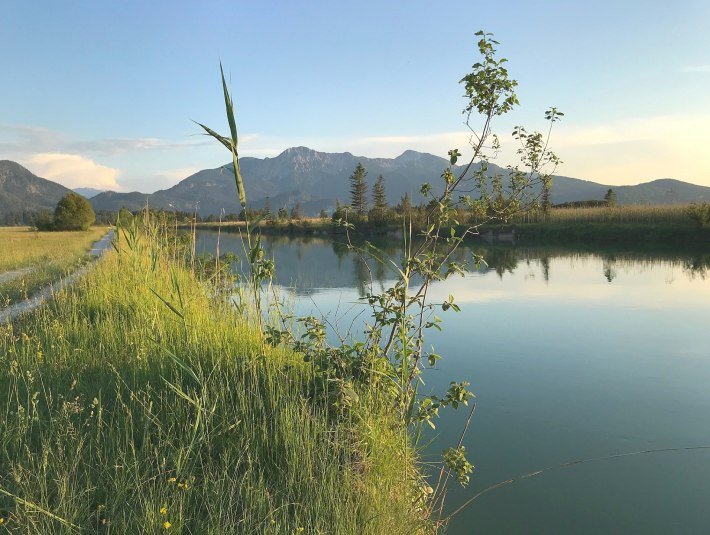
<point>130,415</point>
<point>561,231</point>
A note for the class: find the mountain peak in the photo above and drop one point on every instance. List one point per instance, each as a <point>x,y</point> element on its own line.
<point>409,154</point>
<point>298,152</point>
<point>415,156</point>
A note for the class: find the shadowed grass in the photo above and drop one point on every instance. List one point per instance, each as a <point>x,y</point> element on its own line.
<point>120,414</point>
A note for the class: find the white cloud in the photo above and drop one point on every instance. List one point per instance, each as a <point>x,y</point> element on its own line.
<point>73,170</point>
<point>23,139</point>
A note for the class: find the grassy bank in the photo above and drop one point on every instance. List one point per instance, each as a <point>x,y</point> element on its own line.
<point>32,259</point>
<point>660,224</point>
<point>620,224</point>
<point>122,415</point>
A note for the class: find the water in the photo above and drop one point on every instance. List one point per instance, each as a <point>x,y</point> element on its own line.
<point>572,355</point>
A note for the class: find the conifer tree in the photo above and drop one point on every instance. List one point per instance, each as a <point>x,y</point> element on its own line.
<point>379,199</point>
<point>358,190</point>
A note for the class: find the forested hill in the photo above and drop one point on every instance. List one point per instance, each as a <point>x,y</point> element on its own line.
<point>22,192</point>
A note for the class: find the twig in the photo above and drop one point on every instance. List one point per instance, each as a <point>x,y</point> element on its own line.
<point>566,465</point>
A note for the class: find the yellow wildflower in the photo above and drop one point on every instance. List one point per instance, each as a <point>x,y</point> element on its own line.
<point>163,510</point>
<point>167,525</point>
<point>2,520</point>
<point>172,480</point>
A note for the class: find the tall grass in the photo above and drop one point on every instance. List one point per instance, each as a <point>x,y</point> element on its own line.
<point>22,247</point>
<point>620,214</point>
<point>41,257</point>
<point>135,403</point>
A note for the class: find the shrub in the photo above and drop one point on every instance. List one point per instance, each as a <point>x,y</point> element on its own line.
<point>44,221</point>
<point>699,213</point>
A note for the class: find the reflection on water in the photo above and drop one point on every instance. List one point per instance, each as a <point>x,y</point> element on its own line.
<point>572,354</point>
<point>310,263</point>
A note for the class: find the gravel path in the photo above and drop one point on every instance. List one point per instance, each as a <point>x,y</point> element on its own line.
<point>13,311</point>
<point>14,274</point>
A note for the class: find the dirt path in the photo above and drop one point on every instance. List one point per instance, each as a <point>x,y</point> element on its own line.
<point>14,274</point>
<point>13,311</point>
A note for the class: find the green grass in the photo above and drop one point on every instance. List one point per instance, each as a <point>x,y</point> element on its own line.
<point>42,257</point>
<point>115,407</point>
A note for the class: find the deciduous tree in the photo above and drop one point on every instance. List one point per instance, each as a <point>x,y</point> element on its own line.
<point>73,212</point>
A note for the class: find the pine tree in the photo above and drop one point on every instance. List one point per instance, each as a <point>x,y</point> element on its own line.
<point>378,214</point>
<point>358,190</point>
<point>610,197</point>
<point>267,208</point>
<point>379,199</point>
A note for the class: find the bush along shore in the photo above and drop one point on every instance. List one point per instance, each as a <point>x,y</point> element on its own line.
<point>140,400</point>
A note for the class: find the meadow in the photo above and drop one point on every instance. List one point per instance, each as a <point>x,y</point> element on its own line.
<point>662,224</point>
<point>32,259</point>
<point>673,214</point>
<point>140,401</point>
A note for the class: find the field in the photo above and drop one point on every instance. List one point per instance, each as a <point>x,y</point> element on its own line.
<point>669,224</point>
<point>122,414</point>
<point>627,214</point>
<point>31,259</point>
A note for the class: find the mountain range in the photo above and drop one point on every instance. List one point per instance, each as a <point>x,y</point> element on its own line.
<point>313,179</point>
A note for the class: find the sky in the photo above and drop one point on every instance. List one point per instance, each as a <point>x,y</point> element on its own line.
<point>104,94</point>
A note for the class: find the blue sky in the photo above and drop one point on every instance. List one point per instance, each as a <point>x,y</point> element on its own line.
<point>103,93</point>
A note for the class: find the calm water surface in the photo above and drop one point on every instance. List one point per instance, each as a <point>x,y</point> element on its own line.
<point>571,354</point>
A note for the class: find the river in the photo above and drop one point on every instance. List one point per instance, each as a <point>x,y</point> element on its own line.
<point>573,353</point>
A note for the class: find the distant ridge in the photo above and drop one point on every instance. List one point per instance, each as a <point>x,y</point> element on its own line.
<point>313,179</point>
<point>88,192</point>
<point>316,179</point>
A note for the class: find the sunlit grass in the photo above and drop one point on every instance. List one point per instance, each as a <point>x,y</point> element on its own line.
<point>620,214</point>
<point>121,415</point>
<point>32,259</point>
